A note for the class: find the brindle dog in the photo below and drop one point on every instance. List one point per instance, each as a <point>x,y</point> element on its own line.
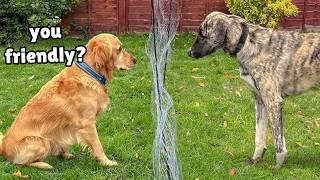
<point>274,64</point>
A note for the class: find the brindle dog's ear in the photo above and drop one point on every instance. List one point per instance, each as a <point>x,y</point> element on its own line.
<point>221,29</point>
<point>102,53</point>
<point>233,34</point>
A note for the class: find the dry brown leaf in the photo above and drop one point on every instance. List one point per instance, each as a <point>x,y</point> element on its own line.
<point>178,113</point>
<point>232,171</point>
<point>188,133</point>
<point>317,123</point>
<point>19,174</point>
<point>12,110</point>
<point>238,93</point>
<point>225,124</point>
<point>195,69</point>
<point>300,113</point>
<point>202,85</point>
<point>226,74</point>
<point>300,144</point>
<point>198,77</point>
<point>31,77</point>
<point>228,153</point>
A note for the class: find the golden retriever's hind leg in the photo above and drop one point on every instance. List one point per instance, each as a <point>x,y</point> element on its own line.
<point>31,151</point>
<point>41,165</point>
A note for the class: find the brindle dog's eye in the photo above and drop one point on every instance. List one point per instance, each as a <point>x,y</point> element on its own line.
<point>201,33</point>
<point>203,30</point>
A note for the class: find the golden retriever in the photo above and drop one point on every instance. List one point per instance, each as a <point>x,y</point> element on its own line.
<point>64,111</point>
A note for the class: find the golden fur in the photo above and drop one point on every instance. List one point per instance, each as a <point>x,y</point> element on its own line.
<point>65,109</point>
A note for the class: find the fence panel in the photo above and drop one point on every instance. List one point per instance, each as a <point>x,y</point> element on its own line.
<point>135,15</point>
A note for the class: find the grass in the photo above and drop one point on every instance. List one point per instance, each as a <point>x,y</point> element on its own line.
<point>215,119</point>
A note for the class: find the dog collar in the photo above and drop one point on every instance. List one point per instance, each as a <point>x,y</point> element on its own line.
<point>87,69</point>
<point>242,40</point>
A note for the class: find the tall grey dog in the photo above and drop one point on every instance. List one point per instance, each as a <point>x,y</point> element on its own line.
<point>274,64</point>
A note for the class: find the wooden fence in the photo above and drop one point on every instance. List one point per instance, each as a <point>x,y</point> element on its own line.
<point>135,15</point>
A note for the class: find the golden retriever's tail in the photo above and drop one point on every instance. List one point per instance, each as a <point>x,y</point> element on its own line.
<point>1,137</point>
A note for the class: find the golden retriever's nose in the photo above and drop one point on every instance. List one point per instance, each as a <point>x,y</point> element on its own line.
<point>134,60</point>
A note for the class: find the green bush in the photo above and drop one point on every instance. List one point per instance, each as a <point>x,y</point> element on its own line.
<point>266,13</point>
<point>17,15</point>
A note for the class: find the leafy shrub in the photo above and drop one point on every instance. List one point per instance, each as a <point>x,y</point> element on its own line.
<point>266,13</point>
<point>17,15</point>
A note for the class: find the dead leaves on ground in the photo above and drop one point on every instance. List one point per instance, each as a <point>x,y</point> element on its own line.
<point>238,93</point>
<point>20,175</point>
<point>12,110</point>
<point>202,84</point>
<point>225,124</point>
<point>232,171</point>
<point>194,69</point>
<point>300,144</point>
<point>31,77</point>
<point>198,78</point>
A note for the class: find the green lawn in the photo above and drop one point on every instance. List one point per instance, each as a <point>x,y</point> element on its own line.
<point>215,119</point>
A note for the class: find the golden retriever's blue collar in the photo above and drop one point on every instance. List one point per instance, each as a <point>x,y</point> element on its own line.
<point>84,67</point>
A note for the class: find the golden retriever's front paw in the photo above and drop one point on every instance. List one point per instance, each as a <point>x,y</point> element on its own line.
<point>108,162</point>
<point>67,156</point>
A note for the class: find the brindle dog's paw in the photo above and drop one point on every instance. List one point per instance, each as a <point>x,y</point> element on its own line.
<point>280,157</point>
<point>253,162</point>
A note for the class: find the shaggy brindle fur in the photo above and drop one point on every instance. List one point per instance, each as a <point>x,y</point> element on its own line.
<point>274,63</point>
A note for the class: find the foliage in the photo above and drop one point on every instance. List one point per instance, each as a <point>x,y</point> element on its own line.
<point>267,13</point>
<point>18,15</point>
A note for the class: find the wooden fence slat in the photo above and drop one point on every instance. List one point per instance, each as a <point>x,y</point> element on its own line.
<point>122,16</point>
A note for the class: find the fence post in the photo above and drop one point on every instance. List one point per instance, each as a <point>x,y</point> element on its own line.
<point>180,26</point>
<point>89,16</point>
<point>122,16</point>
<point>304,16</point>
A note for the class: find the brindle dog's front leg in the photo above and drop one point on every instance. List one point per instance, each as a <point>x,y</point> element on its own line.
<point>273,102</point>
<point>261,129</point>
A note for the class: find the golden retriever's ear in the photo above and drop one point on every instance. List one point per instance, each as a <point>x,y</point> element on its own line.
<point>102,54</point>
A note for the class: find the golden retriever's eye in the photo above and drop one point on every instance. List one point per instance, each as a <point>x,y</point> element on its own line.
<point>120,49</point>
